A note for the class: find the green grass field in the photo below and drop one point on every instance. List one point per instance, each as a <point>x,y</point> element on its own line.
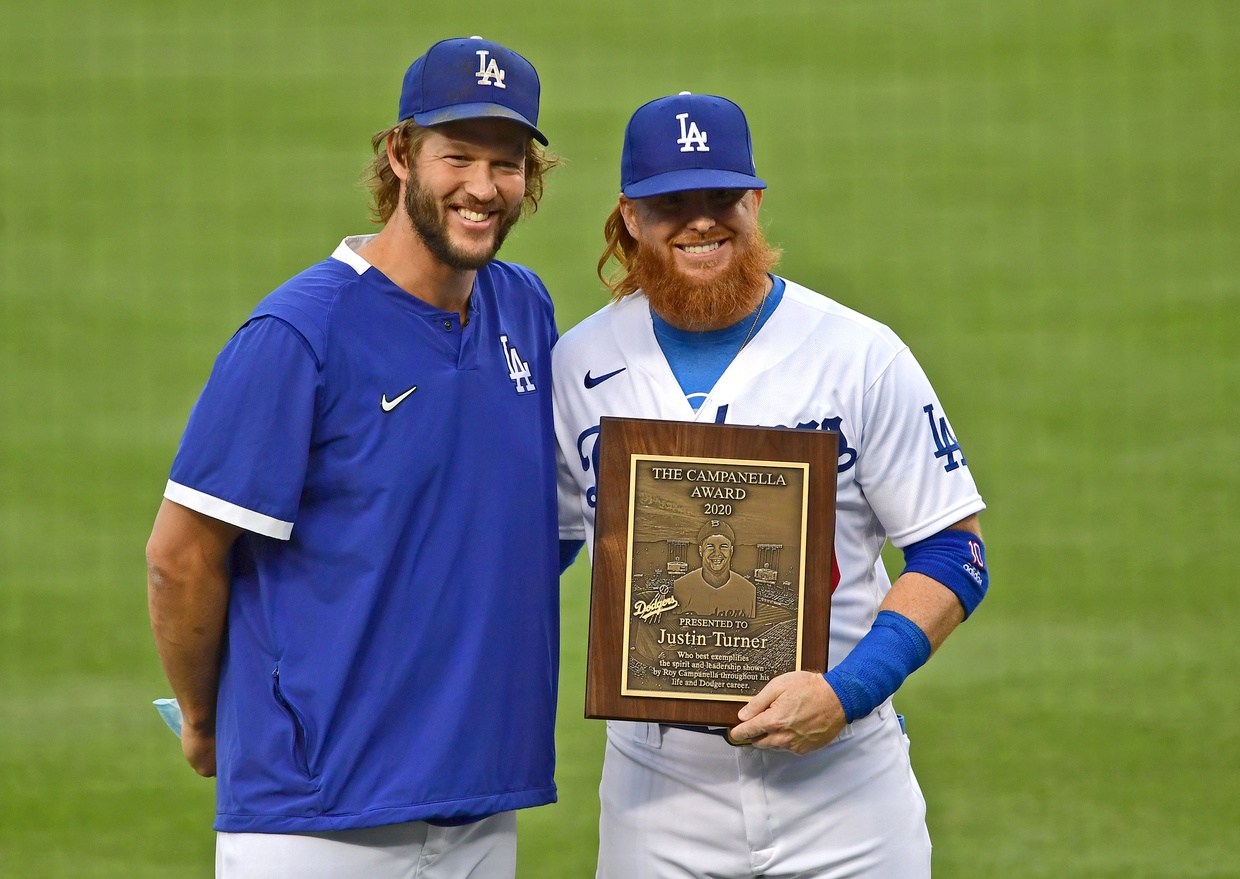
<point>1033,194</point>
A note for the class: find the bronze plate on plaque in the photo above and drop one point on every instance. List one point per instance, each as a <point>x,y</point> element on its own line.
<point>712,566</point>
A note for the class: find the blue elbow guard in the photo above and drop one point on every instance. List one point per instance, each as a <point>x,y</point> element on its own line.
<point>893,649</point>
<point>957,559</point>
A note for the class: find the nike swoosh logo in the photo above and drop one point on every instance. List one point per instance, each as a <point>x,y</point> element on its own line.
<point>388,405</point>
<point>592,382</point>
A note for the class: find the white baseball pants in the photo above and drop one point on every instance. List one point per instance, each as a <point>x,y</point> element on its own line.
<point>679,804</point>
<point>486,849</point>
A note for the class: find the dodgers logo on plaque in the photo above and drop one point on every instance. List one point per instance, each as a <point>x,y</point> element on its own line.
<point>716,576</point>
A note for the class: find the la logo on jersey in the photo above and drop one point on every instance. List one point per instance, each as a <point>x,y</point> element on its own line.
<point>945,444</point>
<point>518,369</point>
<point>489,73</point>
<point>691,137</point>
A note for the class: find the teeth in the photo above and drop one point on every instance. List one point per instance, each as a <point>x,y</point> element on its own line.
<point>702,248</point>
<point>472,215</point>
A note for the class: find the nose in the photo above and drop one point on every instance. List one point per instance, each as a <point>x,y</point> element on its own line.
<point>701,222</point>
<point>701,218</point>
<point>480,182</point>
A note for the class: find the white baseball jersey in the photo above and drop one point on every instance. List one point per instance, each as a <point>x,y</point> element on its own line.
<point>814,364</point>
<point>677,802</point>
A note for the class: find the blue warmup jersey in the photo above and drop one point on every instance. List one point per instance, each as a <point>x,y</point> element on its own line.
<point>392,641</point>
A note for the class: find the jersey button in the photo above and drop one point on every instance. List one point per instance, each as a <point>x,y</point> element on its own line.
<point>447,325</point>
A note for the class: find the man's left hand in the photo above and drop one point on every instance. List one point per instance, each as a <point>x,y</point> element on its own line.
<point>797,711</point>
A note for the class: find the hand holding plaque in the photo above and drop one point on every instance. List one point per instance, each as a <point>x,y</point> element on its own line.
<point>712,566</point>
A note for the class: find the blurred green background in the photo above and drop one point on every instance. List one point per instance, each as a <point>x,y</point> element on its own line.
<point>1033,194</point>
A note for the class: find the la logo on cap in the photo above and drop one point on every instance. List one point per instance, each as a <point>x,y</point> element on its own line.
<point>691,137</point>
<point>489,73</point>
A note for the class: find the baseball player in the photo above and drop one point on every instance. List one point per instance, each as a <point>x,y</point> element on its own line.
<point>715,589</point>
<point>699,330</point>
<point>362,634</point>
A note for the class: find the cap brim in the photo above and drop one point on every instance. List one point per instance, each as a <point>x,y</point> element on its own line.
<point>459,112</point>
<point>696,178</point>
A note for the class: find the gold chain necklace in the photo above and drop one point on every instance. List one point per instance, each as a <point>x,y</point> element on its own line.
<point>757,317</point>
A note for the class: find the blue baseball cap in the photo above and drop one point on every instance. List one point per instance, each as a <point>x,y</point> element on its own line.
<point>471,79</point>
<point>685,142</point>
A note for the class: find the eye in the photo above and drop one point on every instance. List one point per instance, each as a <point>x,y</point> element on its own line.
<point>670,201</point>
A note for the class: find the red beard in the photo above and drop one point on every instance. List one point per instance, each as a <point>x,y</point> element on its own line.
<point>698,306</point>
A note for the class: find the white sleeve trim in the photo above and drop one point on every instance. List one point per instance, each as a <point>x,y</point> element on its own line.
<point>963,510</point>
<point>211,506</point>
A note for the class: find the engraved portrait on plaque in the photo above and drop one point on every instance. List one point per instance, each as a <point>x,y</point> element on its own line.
<point>716,576</point>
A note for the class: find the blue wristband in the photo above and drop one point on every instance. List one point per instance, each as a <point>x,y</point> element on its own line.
<point>893,649</point>
<point>955,558</point>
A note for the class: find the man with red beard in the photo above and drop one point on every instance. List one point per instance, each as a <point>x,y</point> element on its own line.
<point>813,779</point>
<point>360,629</point>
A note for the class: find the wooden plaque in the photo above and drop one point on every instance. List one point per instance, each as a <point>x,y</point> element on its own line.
<point>712,566</point>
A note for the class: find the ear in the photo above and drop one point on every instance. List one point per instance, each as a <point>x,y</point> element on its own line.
<point>396,156</point>
<point>628,213</point>
<point>757,198</point>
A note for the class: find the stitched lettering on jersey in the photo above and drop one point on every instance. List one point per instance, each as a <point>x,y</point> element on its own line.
<point>518,369</point>
<point>589,461</point>
<point>848,455</point>
<point>945,444</point>
<point>587,448</point>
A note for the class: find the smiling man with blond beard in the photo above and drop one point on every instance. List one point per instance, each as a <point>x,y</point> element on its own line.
<point>360,627</point>
<point>814,779</point>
